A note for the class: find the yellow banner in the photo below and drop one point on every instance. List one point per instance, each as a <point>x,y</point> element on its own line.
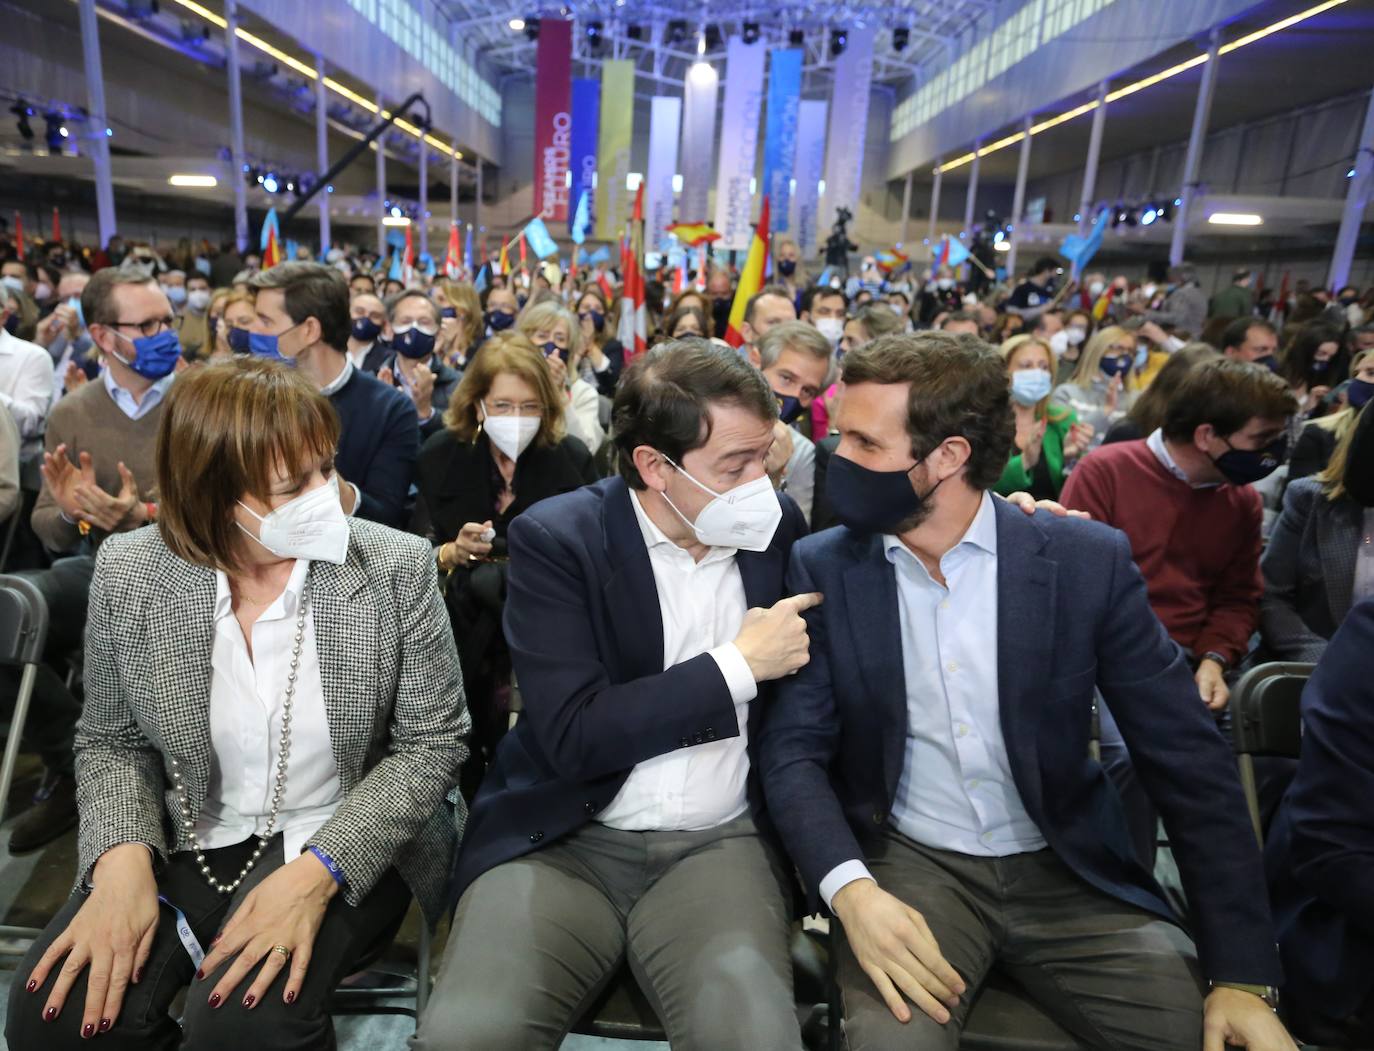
<point>613,148</point>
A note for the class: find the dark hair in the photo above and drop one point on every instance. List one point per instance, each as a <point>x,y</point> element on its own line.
<point>1302,352</point>
<point>97,298</point>
<point>958,388</point>
<point>815,292</point>
<point>1237,330</point>
<point>670,322</point>
<point>664,399</point>
<point>766,290</point>
<point>312,290</point>
<point>411,293</point>
<point>1148,411</point>
<point>1227,394</point>
<point>1044,263</point>
<point>960,315</point>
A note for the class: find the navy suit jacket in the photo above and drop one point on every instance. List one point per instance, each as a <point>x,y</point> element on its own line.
<point>586,639</point>
<point>1072,614</point>
<point>1320,853</point>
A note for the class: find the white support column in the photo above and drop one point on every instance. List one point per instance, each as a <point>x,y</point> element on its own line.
<point>1356,198</point>
<point>477,206</point>
<point>906,205</point>
<point>1089,195</point>
<point>98,140</point>
<point>971,198</point>
<point>231,52</point>
<point>381,183</point>
<point>1018,199</point>
<point>1192,161</point>
<point>321,151</point>
<point>935,201</point>
<point>424,196</point>
<point>453,186</point>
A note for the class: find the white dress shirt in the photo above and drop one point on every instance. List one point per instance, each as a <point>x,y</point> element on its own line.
<point>357,357</point>
<point>1155,443</point>
<point>956,790</point>
<point>246,695</point>
<point>26,389</point>
<point>136,410</point>
<point>702,605</point>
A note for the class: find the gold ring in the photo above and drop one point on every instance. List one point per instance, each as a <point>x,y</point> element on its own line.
<point>286,953</point>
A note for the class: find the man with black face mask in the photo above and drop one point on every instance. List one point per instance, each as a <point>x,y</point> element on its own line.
<point>1183,498</point>
<point>929,767</point>
<point>413,366</point>
<point>368,335</point>
<point>720,290</point>
<point>500,306</point>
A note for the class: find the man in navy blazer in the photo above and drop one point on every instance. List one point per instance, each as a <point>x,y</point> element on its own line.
<point>620,817</point>
<point>929,768</point>
<point>1321,841</point>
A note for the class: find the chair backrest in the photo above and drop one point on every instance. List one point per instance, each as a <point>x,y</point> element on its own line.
<point>23,621</point>
<point>1266,710</point>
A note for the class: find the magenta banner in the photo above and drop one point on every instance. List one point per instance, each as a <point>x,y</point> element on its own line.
<point>552,120</point>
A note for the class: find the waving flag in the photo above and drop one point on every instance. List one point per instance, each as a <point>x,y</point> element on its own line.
<point>601,255</point>
<point>453,260</point>
<point>56,226</point>
<point>19,232</point>
<point>408,266</point>
<point>890,259</point>
<point>503,264</point>
<point>541,243</point>
<point>1104,302</point>
<point>750,278</point>
<point>951,252</point>
<point>394,272</point>
<point>270,242</point>
<point>582,219</point>
<point>483,278</point>
<point>469,261</point>
<point>634,320</point>
<point>693,234</point>
<point>1079,250</point>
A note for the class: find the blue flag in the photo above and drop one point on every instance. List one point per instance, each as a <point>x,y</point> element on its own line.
<point>269,223</point>
<point>394,274</point>
<point>582,219</point>
<point>537,237</point>
<point>467,249</point>
<point>601,255</point>
<point>483,278</point>
<point>1079,250</point>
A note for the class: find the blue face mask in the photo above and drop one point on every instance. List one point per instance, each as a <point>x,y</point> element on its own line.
<point>596,317</point>
<point>75,303</point>
<point>551,348</point>
<point>1115,366</point>
<point>413,343</point>
<point>264,345</point>
<point>789,408</point>
<point>1358,393</point>
<point>1142,358</point>
<point>869,501</point>
<point>365,330</point>
<point>448,312</point>
<point>499,321</point>
<point>1028,386</point>
<point>1243,466</point>
<point>154,356</point>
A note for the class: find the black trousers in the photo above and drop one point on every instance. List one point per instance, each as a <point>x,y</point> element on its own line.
<point>348,939</point>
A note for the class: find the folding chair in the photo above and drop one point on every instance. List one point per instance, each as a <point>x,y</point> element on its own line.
<point>374,991</point>
<point>23,633</point>
<point>1266,720</point>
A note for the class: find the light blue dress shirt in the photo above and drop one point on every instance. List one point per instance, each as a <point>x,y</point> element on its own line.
<point>956,790</point>
<point>136,410</point>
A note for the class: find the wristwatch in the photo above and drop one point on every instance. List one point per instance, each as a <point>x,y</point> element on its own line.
<point>1213,655</point>
<point>1267,993</point>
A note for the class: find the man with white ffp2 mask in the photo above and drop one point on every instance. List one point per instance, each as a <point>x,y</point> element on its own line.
<point>647,627</point>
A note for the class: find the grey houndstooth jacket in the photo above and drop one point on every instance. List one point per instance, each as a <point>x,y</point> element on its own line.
<point>393,698</point>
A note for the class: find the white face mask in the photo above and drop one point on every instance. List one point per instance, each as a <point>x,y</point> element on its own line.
<point>1059,342</point>
<point>1075,335</point>
<point>176,294</point>
<point>832,328</point>
<point>944,284</point>
<point>1096,288</point>
<point>746,517</point>
<point>42,291</point>
<point>11,282</point>
<point>199,299</point>
<point>511,434</point>
<point>311,526</point>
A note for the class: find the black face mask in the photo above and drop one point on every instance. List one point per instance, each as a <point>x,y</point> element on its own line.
<point>874,501</point>
<point>499,321</point>
<point>787,267</point>
<point>12,324</point>
<point>413,343</point>
<point>596,317</point>
<point>789,408</point>
<point>1269,361</point>
<point>551,348</point>
<point>1243,466</point>
<point>1359,461</point>
<point>365,330</point>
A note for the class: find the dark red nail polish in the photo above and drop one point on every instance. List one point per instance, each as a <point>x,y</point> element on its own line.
<point>291,997</point>
<point>88,1031</point>
<point>249,1000</point>
<point>32,986</point>
<point>200,976</point>
<point>214,999</point>
<point>105,1024</point>
<point>50,1014</point>
<point>138,976</point>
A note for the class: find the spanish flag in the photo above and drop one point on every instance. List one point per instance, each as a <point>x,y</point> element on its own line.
<point>503,267</point>
<point>693,234</point>
<point>270,243</point>
<point>750,278</point>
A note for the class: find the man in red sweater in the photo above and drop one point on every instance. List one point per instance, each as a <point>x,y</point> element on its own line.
<point>1182,497</point>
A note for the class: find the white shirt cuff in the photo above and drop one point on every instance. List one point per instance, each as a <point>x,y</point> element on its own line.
<point>738,678</point>
<point>357,499</point>
<point>840,877</point>
<point>605,364</point>
<point>427,418</point>
<point>1173,343</point>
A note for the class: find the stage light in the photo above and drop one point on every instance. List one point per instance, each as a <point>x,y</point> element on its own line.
<point>269,182</point>
<point>701,72</point>
<point>901,37</point>
<point>203,181</point>
<point>395,212</point>
<point>750,32</point>
<point>839,39</point>
<point>594,35</point>
<point>676,33</point>
<point>22,112</point>
<point>517,25</point>
<point>797,38</point>
<point>395,220</point>
<point>1149,216</point>
<point>1350,174</point>
<point>1234,219</point>
<point>54,133</point>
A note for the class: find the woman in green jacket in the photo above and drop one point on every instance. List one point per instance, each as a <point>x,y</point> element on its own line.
<point>1049,437</point>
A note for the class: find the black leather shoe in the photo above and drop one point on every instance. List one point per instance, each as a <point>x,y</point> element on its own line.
<point>53,813</point>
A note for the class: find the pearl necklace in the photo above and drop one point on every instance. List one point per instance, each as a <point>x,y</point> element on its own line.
<point>283,751</point>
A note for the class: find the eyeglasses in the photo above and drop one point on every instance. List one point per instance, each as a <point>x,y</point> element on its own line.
<point>511,408</point>
<point>147,328</point>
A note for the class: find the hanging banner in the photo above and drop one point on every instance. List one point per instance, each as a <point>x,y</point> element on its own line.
<point>848,122</point>
<point>552,120</point>
<point>665,116</point>
<point>586,119</point>
<point>613,148</point>
<point>780,135</point>
<point>739,140</point>
<point>809,168</point>
<point>699,92</point>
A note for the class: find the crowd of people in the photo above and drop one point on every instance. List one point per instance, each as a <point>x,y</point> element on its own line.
<point>364,590</point>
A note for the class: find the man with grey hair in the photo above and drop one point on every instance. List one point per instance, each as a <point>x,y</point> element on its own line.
<point>799,364</point>
<point>25,380</point>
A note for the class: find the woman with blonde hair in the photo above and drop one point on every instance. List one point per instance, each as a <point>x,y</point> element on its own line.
<point>502,449</point>
<point>1319,437</point>
<point>1098,393</point>
<point>1048,437</point>
<point>604,356</point>
<point>461,323</point>
<point>230,308</point>
<point>551,327</point>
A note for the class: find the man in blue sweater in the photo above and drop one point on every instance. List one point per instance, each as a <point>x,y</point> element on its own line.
<point>302,316</point>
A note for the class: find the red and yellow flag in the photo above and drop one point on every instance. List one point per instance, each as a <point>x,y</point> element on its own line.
<point>750,278</point>
<point>693,234</point>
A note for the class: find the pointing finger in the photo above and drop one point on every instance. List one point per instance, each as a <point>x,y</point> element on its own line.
<point>805,601</point>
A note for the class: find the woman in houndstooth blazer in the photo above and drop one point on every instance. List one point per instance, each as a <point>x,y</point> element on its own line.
<point>274,717</point>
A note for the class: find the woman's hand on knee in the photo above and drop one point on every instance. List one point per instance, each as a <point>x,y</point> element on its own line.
<point>112,934</point>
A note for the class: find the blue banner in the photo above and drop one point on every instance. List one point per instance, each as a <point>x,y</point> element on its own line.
<point>586,113</point>
<point>780,135</point>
